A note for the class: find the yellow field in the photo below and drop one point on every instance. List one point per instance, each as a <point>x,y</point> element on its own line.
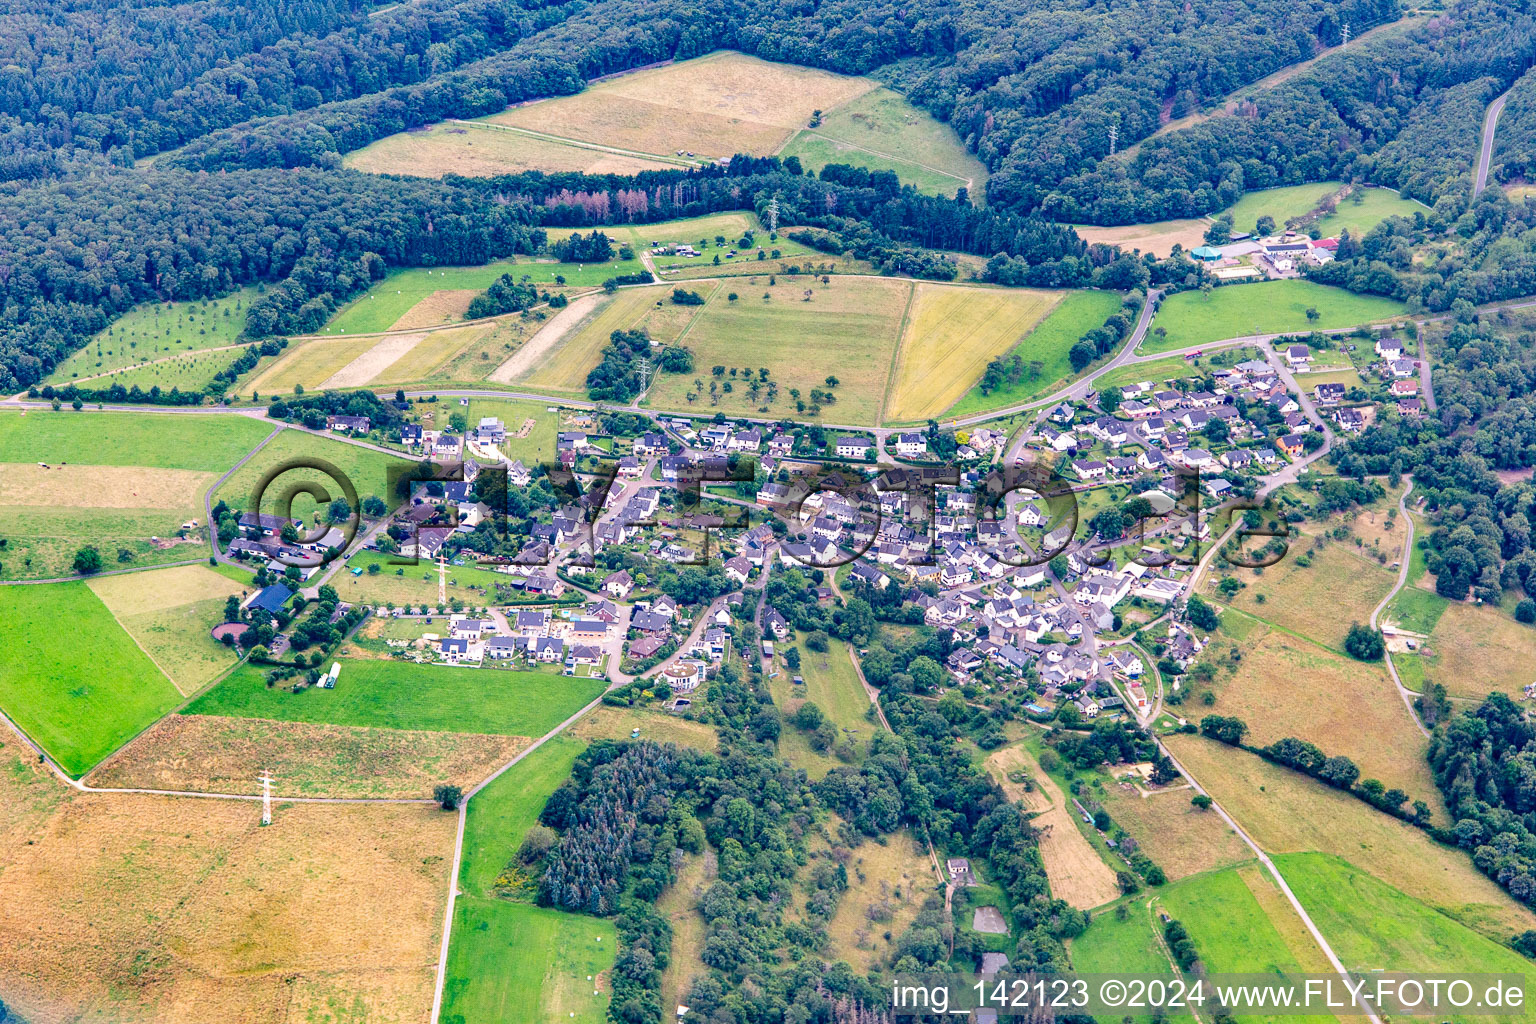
<point>1286,812</point>
<point>1077,873</point>
<point>1478,650</point>
<point>886,888</point>
<point>72,486</point>
<point>713,106</point>
<point>1157,238</point>
<point>446,306</point>
<point>561,360</point>
<point>168,613</point>
<point>482,151</point>
<point>1180,838</point>
<point>210,754</point>
<point>182,911</point>
<point>428,354</point>
<point>1284,686</point>
<point>849,329</point>
<point>610,723</point>
<point>309,363</point>
<point>951,334</point>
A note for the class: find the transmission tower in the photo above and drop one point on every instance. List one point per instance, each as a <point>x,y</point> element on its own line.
<point>645,375</point>
<point>1346,36</point>
<point>266,797</point>
<point>1114,134</point>
<point>773,214</point>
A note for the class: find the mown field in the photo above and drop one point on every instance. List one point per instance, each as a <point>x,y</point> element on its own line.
<point>168,613</point>
<point>1281,204</point>
<point>951,335</point>
<point>883,132</point>
<point>209,444</point>
<point>1472,650</point>
<point>477,150</point>
<point>1287,812</point>
<point>143,909</point>
<point>1047,344</point>
<point>190,372</point>
<point>159,330</point>
<point>417,584</point>
<point>1364,208</point>
<point>228,755</point>
<point>1269,307</point>
<point>401,695</point>
<point>712,106</point>
<point>78,708</point>
<point>366,468</point>
<point>561,355</point>
<point>1155,237</point>
<point>1179,837</point>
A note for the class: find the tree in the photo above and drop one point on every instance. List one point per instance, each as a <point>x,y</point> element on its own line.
<point>1201,614</point>
<point>374,506</point>
<point>926,673</point>
<point>1364,643</point>
<point>808,716</point>
<point>1201,801</point>
<point>537,841</point>
<point>448,796</point>
<point>792,659</point>
<point>1110,399</point>
<point>339,511</point>
<point>1525,611</point>
<point>87,561</point>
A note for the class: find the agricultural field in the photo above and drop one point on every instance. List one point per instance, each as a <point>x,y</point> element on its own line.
<point>1472,650</point>
<point>570,344</point>
<point>500,815</point>
<point>166,910</point>
<point>77,709</point>
<point>168,613</point>
<point>1155,237</point>
<point>417,584</point>
<point>883,132</point>
<point>1076,871</point>
<point>478,150</point>
<point>227,755</point>
<point>160,330</point>
<point>1288,686</point>
<point>848,329</point>
<point>527,963</point>
<point>1285,593</point>
<point>612,723</point>
<point>1122,945</point>
<point>1373,926</point>
<point>712,106</point>
<point>367,468</point>
<point>833,686</point>
<point>1364,208</point>
<point>1279,203</point>
<point>1269,307</point>
<point>404,695</point>
<point>1077,313</point>
<point>1179,837</point>
<point>1287,812</point>
<point>190,372</point>
<point>206,444</point>
<point>951,334</point>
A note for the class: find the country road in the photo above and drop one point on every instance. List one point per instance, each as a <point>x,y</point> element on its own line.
<point>1485,153</point>
<point>1402,580</point>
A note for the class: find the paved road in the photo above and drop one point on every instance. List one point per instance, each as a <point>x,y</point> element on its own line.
<point>1485,154</point>
<point>1263,857</point>
<point>1402,578</point>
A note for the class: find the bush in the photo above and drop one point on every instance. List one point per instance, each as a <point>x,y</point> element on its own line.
<point>1364,643</point>
<point>448,796</point>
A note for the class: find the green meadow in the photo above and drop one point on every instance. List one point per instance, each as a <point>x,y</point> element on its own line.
<point>1271,307</point>
<point>158,330</point>
<point>210,443</point>
<point>405,695</point>
<point>79,699</point>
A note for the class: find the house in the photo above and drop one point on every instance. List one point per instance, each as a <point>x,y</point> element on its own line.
<point>490,431</point>
<point>1151,459</point>
<point>270,599</point>
<point>650,621</point>
<point>348,424</point>
<point>685,676</point>
<point>911,444</point>
<point>1352,420</point>
<point>1403,367</point>
<point>650,444</point>
<point>589,630</point>
<point>519,475</point>
<point>469,629</point>
<point>646,646</point>
<point>1291,445</point>
<point>1265,456</point>
<point>738,569</point>
<point>776,624</point>
<point>1063,413</point>
<point>618,584</point>
<point>1410,407</point>
<point>410,435</point>
<point>533,622</point>
<point>853,447</point>
<point>745,441</point>
<point>1196,458</point>
<point>1389,348</point>
<point>1298,357</point>
<point>447,446</point>
<point>630,467</point>
<point>1090,469</point>
<point>1328,394</point>
<point>1217,488</point>
<point>1237,458</point>
<point>1064,442</point>
<point>866,573</point>
<point>500,648</point>
<point>1404,388</point>
<point>454,649</point>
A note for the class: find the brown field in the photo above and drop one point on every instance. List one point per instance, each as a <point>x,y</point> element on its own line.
<point>1479,650</point>
<point>483,355</point>
<point>424,358</point>
<point>951,334</point>
<point>679,905</point>
<point>446,306</point>
<point>1077,873</point>
<point>714,106</point>
<point>1353,583</point>
<point>1157,238</point>
<point>1286,812</point>
<point>1285,686</point>
<point>205,754</point>
<point>180,910</point>
<point>69,486</point>
<point>477,151</point>
<point>162,588</point>
<point>1380,529</point>
<point>890,881</point>
<point>308,363</point>
<point>1179,838</point>
<point>610,723</point>
<point>564,351</point>
<point>168,613</point>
